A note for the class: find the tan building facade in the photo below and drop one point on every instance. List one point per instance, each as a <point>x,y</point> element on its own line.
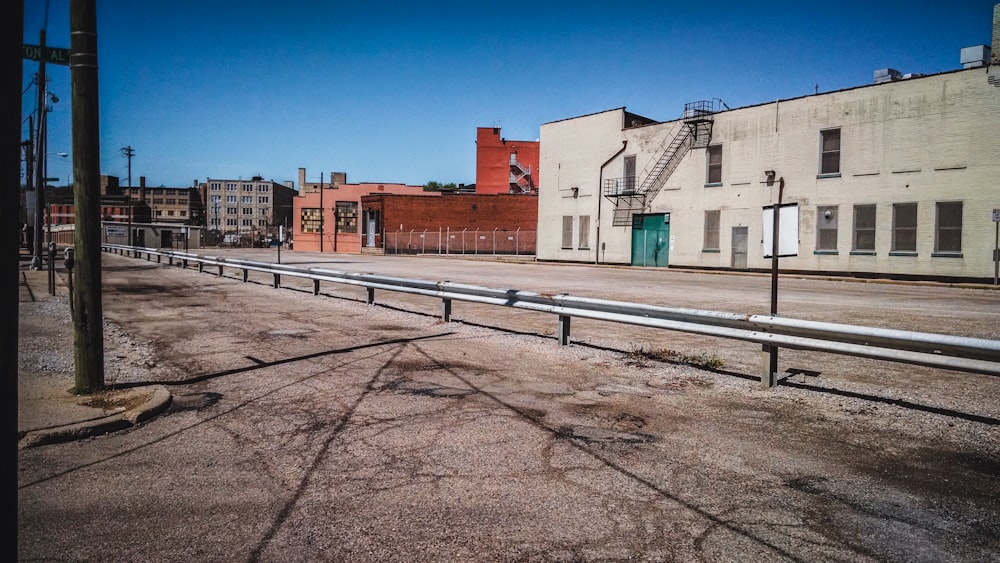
<point>898,178</point>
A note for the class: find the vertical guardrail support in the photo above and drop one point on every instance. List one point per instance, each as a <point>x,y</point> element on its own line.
<point>564,330</point>
<point>371,295</point>
<point>159,258</point>
<point>170,260</point>
<point>277,281</point>
<point>315,287</point>
<point>184,263</point>
<point>220,270</point>
<point>446,310</point>
<point>246,275</point>
<point>201,267</point>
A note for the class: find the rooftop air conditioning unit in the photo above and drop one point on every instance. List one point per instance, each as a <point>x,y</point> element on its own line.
<point>976,56</point>
<point>887,75</point>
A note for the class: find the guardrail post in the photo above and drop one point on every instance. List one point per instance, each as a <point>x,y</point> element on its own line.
<point>277,281</point>
<point>446,310</point>
<point>201,267</point>
<point>564,330</point>
<point>768,377</point>
<point>315,287</point>
<point>371,295</point>
<point>246,275</point>
<point>170,260</point>
<point>220,270</point>
<point>184,263</point>
<point>159,258</point>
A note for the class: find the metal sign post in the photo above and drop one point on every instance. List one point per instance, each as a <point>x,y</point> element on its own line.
<point>996,247</point>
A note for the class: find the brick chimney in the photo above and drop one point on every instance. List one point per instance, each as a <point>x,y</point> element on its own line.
<point>142,189</point>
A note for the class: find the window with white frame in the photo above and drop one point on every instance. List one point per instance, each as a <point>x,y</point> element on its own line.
<point>713,156</point>
<point>230,199</point>
<point>829,157</point>
<point>864,229</point>
<point>826,228</point>
<point>904,227</point>
<point>948,227</point>
<point>230,187</point>
<point>231,210</point>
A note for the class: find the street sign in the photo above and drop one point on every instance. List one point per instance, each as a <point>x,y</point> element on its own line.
<point>996,215</point>
<point>56,55</point>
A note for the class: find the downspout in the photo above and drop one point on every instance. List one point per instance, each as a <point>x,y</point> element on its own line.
<point>600,196</point>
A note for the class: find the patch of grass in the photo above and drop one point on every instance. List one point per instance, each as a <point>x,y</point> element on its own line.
<point>641,355</point>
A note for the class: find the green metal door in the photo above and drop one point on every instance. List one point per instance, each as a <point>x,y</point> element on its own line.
<point>651,240</point>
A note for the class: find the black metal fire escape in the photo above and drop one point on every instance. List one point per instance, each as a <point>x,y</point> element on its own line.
<point>695,132</point>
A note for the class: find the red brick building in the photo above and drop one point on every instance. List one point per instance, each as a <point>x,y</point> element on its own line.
<point>451,224</point>
<point>504,166</point>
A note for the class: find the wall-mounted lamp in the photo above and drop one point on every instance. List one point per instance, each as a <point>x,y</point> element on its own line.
<point>770,177</point>
<point>576,192</point>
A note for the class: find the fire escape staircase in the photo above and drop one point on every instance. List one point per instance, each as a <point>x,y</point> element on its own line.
<point>695,132</point>
<point>521,181</point>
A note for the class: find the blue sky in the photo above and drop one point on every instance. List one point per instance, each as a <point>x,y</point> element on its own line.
<point>394,91</point>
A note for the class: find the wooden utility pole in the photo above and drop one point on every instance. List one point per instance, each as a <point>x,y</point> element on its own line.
<point>39,227</point>
<point>88,315</point>
<point>11,37</point>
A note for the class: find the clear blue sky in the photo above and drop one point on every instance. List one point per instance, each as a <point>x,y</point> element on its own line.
<point>393,91</point>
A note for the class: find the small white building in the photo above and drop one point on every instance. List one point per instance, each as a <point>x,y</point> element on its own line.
<point>899,178</point>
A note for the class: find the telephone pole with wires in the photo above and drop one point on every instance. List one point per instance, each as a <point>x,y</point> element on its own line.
<point>128,152</point>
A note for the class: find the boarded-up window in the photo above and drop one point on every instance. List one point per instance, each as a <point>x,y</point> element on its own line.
<point>712,230</point>
<point>584,232</point>
<point>310,220</point>
<point>829,151</point>
<point>904,227</point>
<point>864,228</point>
<point>948,234</point>
<point>826,228</point>
<point>347,216</point>
<point>567,232</point>
<point>714,157</point>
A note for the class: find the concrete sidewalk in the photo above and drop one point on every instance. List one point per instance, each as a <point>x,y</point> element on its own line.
<point>49,410</point>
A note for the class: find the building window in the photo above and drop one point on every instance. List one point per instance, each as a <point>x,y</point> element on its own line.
<point>216,198</point>
<point>711,230</point>
<point>584,232</point>
<point>826,228</point>
<point>230,199</point>
<point>264,199</point>
<point>248,211</point>
<point>216,186</point>
<point>231,210</point>
<point>948,233</point>
<point>231,222</point>
<point>904,227</point>
<point>829,162</point>
<point>230,187</point>
<point>347,216</point>
<point>311,219</point>
<point>714,158</point>
<point>864,228</point>
<point>264,188</point>
<point>248,187</point>
<point>248,222</point>
<point>247,199</point>
<point>567,232</point>
<point>170,213</point>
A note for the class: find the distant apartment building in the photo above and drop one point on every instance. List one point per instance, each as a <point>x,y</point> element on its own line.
<point>255,208</point>
<point>167,205</point>
<point>504,166</point>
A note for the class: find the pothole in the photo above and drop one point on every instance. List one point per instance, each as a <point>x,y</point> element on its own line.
<point>194,401</point>
<point>593,434</point>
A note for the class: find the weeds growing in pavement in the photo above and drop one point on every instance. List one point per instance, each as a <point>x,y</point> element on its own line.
<point>640,355</point>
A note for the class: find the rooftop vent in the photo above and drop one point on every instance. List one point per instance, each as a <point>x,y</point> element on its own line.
<point>976,56</point>
<point>887,75</point>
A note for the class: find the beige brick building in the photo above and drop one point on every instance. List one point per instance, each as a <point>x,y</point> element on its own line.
<point>898,178</point>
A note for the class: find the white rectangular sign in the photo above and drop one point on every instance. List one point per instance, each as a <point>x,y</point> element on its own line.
<point>116,230</point>
<point>788,230</point>
<point>996,215</point>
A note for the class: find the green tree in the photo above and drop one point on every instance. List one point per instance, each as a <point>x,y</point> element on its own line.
<point>434,186</point>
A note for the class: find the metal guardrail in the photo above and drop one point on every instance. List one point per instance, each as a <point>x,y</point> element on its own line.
<point>958,353</point>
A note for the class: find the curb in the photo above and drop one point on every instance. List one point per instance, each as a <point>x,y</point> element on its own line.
<point>157,403</point>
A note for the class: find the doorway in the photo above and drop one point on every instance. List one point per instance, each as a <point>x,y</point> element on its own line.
<point>651,240</point>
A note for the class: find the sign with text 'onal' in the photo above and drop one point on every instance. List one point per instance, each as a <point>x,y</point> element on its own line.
<point>56,55</point>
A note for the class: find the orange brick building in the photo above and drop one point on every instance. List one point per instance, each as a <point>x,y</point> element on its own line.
<point>504,166</point>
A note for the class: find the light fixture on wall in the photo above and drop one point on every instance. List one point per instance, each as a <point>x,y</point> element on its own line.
<point>770,177</point>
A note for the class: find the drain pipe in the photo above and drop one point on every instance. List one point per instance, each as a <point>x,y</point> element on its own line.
<point>600,196</point>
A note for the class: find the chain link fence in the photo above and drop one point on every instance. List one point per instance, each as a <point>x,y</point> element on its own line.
<point>446,240</point>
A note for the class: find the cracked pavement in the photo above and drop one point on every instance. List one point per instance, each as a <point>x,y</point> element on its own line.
<point>309,428</point>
